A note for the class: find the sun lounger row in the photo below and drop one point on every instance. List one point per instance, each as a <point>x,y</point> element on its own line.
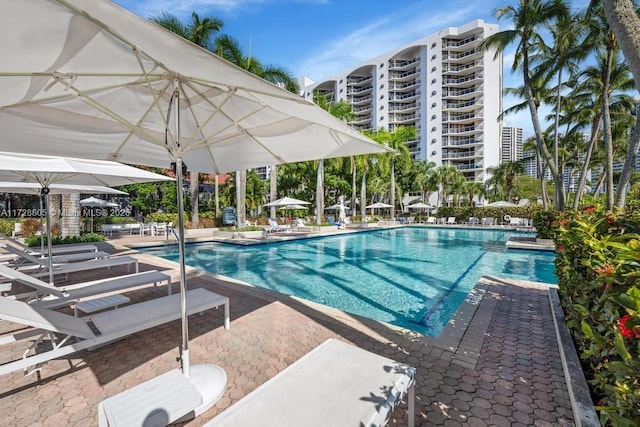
<point>56,249</point>
<point>111,325</point>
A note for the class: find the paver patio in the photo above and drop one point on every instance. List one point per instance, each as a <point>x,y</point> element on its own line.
<point>503,368</point>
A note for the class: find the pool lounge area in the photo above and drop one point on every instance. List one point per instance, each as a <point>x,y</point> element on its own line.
<point>496,362</point>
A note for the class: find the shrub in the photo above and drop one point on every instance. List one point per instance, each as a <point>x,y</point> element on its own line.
<point>543,222</point>
<point>34,241</point>
<point>6,225</point>
<point>597,261</point>
<point>30,226</point>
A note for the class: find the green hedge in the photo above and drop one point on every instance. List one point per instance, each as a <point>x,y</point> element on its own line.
<point>34,241</point>
<point>465,212</point>
<point>598,269</point>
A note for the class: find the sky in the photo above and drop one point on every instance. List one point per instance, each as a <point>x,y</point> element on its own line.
<point>319,38</point>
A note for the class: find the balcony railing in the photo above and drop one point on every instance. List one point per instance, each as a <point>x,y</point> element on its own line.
<point>351,89</point>
<point>402,63</point>
<point>458,43</point>
<point>359,80</point>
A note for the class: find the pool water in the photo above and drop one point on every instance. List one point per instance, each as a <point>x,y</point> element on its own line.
<point>413,277</point>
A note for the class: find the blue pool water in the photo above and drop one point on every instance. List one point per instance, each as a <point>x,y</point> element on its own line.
<point>410,277</point>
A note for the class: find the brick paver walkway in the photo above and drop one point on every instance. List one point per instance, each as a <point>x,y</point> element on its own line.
<point>503,368</point>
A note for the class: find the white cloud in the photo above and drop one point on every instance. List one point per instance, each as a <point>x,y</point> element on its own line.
<point>375,38</point>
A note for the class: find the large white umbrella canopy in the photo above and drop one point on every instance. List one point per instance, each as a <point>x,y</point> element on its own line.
<point>285,201</point>
<point>420,205</point>
<point>47,170</point>
<point>501,204</point>
<point>378,205</point>
<point>89,79</point>
<point>94,202</point>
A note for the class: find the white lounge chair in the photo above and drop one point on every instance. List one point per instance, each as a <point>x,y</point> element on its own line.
<point>431,220</point>
<point>42,264</point>
<point>56,250</point>
<point>111,325</point>
<point>274,227</point>
<point>472,220</point>
<point>49,296</point>
<point>26,257</point>
<point>451,220</point>
<point>336,384</point>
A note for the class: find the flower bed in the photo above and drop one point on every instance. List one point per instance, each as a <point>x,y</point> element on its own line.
<point>598,268</point>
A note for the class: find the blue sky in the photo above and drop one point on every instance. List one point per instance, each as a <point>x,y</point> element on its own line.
<point>318,38</point>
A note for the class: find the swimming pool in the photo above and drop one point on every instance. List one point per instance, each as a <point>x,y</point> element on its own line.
<point>413,277</point>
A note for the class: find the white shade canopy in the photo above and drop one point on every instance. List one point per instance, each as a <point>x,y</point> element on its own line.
<point>34,188</point>
<point>87,78</point>
<point>94,202</point>
<point>501,204</point>
<point>378,205</point>
<point>287,201</point>
<point>293,207</point>
<point>420,205</point>
<point>47,170</point>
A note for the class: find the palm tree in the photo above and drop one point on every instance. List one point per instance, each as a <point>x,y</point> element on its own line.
<point>505,174</point>
<point>342,110</point>
<point>624,22</point>
<point>529,18</point>
<point>424,178</point>
<point>397,141</point>
<point>447,177</point>
<point>198,31</point>
<point>230,49</point>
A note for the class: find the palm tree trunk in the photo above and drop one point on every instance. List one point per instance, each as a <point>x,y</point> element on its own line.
<point>363,195</point>
<point>608,140</point>
<point>195,216</point>
<point>595,131</point>
<point>541,174</point>
<point>241,192</point>
<point>217,196</point>
<point>393,188</point>
<point>273,190</point>
<point>353,187</point>
<point>320,192</point>
<point>629,164</point>
<point>560,195</point>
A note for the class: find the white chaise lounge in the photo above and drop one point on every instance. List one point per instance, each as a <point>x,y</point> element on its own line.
<point>49,296</point>
<point>42,264</point>
<point>336,384</point>
<point>30,257</point>
<point>56,249</point>
<point>112,325</point>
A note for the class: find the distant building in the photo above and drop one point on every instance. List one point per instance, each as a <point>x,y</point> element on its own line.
<point>511,148</point>
<point>443,84</point>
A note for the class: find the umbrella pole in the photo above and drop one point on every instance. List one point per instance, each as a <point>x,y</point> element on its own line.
<point>183,274</point>
<point>45,195</point>
<point>41,226</point>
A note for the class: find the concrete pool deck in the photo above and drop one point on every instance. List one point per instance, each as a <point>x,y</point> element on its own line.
<point>497,363</point>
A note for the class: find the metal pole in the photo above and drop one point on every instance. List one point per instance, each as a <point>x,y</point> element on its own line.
<point>44,192</point>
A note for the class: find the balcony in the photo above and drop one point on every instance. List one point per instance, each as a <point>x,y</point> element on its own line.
<point>464,81</point>
<point>467,154</point>
<point>463,106</point>
<point>360,120</point>
<point>453,44</point>
<point>403,118</point>
<point>359,80</point>
<point>464,142</point>
<point>461,68</point>
<point>462,130</point>
<point>457,56</point>
<point>462,118</point>
<point>361,109</point>
<point>403,75</point>
<point>358,100</point>
<point>404,86</point>
<point>403,107</point>
<point>466,93</point>
<point>399,64</point>
<point>406,97</point>
<point>362,90</point>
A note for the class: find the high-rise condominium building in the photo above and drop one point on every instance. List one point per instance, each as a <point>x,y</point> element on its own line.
<point>511,144</point>
<point>443,84</point>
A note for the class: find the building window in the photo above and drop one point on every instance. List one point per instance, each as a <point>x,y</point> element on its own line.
<point>433,153</point>
<point>434,57</point>
<point>433,129</point>
<point>434,93</point>
<point>434,68</point>
<point>381,118</point>
<point>433,45</point>
<point>382,76</point>
<point>341,80</point>
<point>381,96</point>
<point>434,105</point>
<point>434,81</point>
<point>381,64</point>
<point>433,141</point>
<point>382,107</point>
<point>340,90</point>
<point>381,86</point>
<point>433,117</point>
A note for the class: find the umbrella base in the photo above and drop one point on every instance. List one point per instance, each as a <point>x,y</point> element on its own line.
<point>211,382</point>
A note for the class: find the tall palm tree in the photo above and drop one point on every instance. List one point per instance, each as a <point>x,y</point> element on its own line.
<point>229,48</point>
<point>447,177</point>
<point>624,22</point>
<point>397,141</point>
<point>424,178</point>
<point>505,174</point>
<point>529,17</point>
<point>198,31</point>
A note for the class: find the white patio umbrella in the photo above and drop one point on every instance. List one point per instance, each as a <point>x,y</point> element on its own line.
<point>48,170</point>
<point>94,202</point>
<point>34,189</point>
<point>377,205</point>
<point>501,204</point>
<point>89,79</point>
<point>285,201</point>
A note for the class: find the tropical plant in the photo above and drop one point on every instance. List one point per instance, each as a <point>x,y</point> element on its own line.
<point>529,18</point>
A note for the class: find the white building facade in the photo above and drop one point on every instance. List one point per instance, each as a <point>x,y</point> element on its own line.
<point>511,144</point>
<point>443,84</point>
